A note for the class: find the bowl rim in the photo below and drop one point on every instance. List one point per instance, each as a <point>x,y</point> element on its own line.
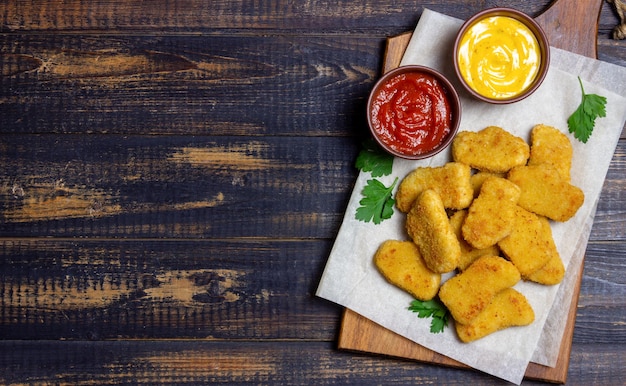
<point>535,28</point>
<point>453,100</point>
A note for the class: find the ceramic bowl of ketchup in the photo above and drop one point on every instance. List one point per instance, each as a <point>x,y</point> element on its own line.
<point>501,55</point>
<point>413,112</point>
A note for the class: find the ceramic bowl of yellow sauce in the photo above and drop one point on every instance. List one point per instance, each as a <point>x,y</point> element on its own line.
<point>501,55</point>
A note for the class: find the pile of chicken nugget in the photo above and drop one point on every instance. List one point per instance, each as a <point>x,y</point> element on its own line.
<point>486,217</point>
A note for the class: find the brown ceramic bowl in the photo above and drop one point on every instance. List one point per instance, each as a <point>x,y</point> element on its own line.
<point>428,130</point>
<point>543,49</point>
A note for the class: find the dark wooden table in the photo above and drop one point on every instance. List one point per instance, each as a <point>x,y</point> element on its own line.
<point>174,174</point>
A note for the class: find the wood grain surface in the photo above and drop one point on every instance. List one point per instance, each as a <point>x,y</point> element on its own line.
<point>173,177</point>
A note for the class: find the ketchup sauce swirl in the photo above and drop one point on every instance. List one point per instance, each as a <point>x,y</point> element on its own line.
<point>411,113</point>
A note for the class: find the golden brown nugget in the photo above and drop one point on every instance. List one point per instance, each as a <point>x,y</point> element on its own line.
<point>468,253</point>
<point>529,246</point>
<point>490,217</point>
<point>428,226</point>
<point>402,265</point>
<point>545,193</point>
<point>451,181</point>
<point>477,179</point>
<point>550,274</point>
<point>509,308</point>
<point>468,293</point>
<point>492,149</point>
<point>549,145</point>
<point>553,272</point>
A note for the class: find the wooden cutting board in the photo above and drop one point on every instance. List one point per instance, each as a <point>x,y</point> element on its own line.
<point>571,25</point>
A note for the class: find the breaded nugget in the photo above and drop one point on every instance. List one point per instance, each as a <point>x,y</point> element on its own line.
<point>549,145</point>
<point>402,265</point>
<point>468,253</point>
<point>467,294</point>
<point>492,149</point>
<point>545,193</point>
<point>477,179</point>
<point>451,181</point>
<point>530,245</point>
<point>553,272</point>
<point>509,308</point>
<point>550,274</point>
<point>490,217</point>
<point>428,226</point>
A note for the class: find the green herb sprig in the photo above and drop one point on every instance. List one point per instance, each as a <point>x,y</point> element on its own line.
<point>377,202</point>
<point>373,159</point>
<point>583,120</point>
<point>431,309</point>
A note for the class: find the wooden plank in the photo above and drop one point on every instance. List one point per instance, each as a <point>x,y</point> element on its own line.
<point>564,22</point>
<point>113,186</point>
<point>112,289</point>
<point>214,362</point>
<point>611,51</point>
<point>170,16</point>
<point>220,85</point>
<point>183,16</point>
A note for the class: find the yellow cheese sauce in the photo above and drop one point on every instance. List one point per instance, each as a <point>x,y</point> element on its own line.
<point>499,57</point>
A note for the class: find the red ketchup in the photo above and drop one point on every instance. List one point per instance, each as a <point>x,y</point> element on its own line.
<point>411,113</point>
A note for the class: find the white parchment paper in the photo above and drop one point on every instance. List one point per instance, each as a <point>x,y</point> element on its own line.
<point>350,277</point>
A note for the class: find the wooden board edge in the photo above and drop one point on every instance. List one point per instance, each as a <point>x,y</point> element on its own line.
<point>394,50</point>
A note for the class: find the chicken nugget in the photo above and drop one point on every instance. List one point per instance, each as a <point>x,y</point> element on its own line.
<point>509,308</point>
<point>477,179</point>
<point>451,181</point>
<point>428,226</point>
<point>550,274</point>
<point>530,245</point>
<point>545,193</point>
<point>491,149</point>
<point>553,272</point>
<point>549,145</point>
<point>490,217</point>
<point>468,253</point>
<point>402,265</point>
<point>467,294</point>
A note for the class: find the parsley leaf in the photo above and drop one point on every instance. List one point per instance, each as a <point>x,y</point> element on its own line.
<point>373,159</point>
<point>433,309</point>
<point>377,202</point>
<point>583,120</point>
